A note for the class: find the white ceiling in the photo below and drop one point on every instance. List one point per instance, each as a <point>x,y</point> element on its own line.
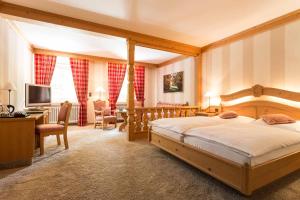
<point>59,38</point>
<point>196,22</point>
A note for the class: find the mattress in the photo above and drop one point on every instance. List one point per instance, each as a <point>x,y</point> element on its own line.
<point>180,125</point>
<point>239,145</point>
<point>168,133</point>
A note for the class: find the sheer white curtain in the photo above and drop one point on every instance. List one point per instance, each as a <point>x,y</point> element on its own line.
<point>62,85</point>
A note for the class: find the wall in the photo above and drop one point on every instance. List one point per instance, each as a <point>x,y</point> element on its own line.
<point>15,63</point>
<point>271,58</point>
<point>188,95</point>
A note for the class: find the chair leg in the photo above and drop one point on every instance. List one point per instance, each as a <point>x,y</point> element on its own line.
<point>66,140</point>
<point>58,139</point>
<point>42,145</point>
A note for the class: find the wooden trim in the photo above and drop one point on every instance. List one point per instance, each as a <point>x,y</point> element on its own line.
<point>198,80</point>
<point>139,38</point>
<point>292,16</point>
<point>173,60</point>
<point>256,109</point>
<point>91,58</point>
<point>143,115</point>
<point>259,90</point>
<point>130,91</point>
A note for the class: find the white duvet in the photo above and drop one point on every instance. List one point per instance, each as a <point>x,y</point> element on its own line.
<point>250,140</point>
<point>183,124</point>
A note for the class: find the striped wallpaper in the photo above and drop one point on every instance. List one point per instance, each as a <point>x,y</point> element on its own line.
<point>271,58</point>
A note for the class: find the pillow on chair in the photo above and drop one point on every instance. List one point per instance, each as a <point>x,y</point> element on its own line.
<point>62,115</point>
<point>106,111</point>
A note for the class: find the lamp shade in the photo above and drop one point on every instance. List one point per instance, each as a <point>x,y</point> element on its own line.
<point>9,86</point>
<point>209,94</point>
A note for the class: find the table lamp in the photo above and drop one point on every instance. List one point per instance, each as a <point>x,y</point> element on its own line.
<point>9,87</point>
<point>209,94</point>
<point>100,90</point>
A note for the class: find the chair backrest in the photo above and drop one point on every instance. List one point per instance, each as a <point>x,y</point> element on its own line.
<point>99,105</point>
<point>64,113</point>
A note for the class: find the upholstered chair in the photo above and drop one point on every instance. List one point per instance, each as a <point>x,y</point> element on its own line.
<point>60,128</point>
<point>103,115</point>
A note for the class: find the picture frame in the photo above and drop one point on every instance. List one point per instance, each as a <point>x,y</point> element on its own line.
<point>173,82</point>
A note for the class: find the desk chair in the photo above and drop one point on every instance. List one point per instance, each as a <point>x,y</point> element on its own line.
<point>60,128</point>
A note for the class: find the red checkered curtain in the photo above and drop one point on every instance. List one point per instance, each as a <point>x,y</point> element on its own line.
<point>44,67</point>
<point>116,74</point>
<point>80,72</point>
<point>139,83</point>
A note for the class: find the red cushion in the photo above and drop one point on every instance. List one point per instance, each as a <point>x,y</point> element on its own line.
<point>62,115</point>
<point>277,119</point>
<point>41,128</point>
<point>228,115</point>
<point>106,111</point>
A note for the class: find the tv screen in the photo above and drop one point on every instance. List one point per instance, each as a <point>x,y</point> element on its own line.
<point>37,95</point>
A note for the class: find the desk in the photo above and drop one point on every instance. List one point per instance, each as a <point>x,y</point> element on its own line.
<point>17,136</point>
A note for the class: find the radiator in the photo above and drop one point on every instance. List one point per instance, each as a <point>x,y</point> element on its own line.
<point>54,110</point>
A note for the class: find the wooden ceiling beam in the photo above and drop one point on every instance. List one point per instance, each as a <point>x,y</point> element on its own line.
<point>139,38</point>
<point>88,57</point>
<point>173,60</point>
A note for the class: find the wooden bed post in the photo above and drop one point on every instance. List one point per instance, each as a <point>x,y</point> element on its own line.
<point>130,92</point>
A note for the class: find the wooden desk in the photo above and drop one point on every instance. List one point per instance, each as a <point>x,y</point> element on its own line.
<point>17,140</point>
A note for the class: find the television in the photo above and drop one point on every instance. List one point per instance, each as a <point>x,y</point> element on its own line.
<point>37,95</point>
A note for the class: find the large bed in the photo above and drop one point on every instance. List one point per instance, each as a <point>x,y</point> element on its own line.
<point>243,153</point>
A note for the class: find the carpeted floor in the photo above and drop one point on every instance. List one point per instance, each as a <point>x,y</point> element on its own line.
<point>103,165</point>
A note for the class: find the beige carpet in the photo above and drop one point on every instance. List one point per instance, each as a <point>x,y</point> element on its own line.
<point>103,165</point>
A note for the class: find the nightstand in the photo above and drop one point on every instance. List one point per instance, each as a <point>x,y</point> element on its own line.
<point>206,114</point>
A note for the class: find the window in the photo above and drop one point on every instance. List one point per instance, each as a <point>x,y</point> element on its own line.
<point>62,85</point>
<point>123,93</point>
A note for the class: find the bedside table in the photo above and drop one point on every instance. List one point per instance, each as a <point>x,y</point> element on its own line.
<point>206,114</point>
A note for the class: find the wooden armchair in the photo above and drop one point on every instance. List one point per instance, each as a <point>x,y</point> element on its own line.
<point>60,128</point>
<point>103,115</point>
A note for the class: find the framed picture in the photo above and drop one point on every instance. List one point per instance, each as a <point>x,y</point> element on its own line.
<point>173,82</point>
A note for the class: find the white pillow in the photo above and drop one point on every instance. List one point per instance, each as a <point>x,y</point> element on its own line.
<point>291,126</point>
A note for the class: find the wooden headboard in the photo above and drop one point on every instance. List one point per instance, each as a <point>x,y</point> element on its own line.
<point>260,107</point>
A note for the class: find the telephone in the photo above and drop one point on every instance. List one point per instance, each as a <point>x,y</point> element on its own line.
<point>20,114</point>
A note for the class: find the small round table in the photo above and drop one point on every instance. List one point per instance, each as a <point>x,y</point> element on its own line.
<point>124,116</point>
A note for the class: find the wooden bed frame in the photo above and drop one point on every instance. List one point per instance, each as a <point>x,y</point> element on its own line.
<point>243,178</point>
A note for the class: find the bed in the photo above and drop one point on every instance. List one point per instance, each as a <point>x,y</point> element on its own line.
<point>243,172</point>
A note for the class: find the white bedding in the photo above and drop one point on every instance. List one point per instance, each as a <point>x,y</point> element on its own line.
<point>244,142</point>
<point>180,125</point>
<point>168,133</point>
